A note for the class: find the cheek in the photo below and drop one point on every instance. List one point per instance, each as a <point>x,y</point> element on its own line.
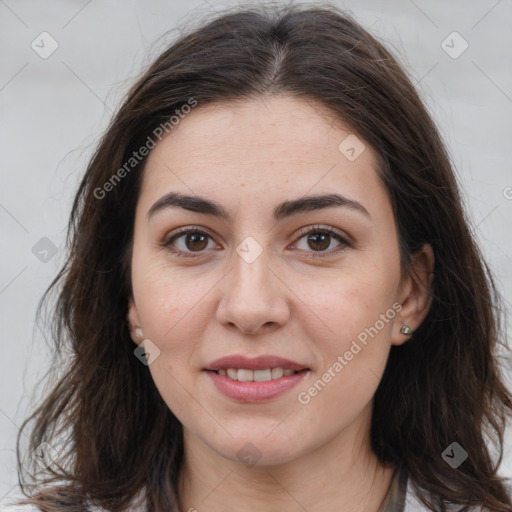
<point>350,299</point>
<point>355,316</point>
<point>175,309</point>
<point>354,350</point>
<point>171,309</point>
<point>167,296</point>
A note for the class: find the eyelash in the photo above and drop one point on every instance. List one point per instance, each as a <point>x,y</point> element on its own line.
<point>302,233</point>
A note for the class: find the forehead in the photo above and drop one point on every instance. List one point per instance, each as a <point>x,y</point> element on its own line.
<point>261,146</point>
<point>250,126</point>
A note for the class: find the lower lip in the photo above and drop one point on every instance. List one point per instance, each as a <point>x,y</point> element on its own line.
<point>255,391</point>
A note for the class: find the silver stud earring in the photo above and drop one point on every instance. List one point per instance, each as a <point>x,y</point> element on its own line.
<point>406,330</point>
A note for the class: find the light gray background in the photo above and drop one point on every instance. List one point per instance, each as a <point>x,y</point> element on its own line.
<point>53,111</point>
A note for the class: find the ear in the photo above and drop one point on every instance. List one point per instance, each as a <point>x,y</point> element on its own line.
<point>134,324</point>
<point>415,293</point>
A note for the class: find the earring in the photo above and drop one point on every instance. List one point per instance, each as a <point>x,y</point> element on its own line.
<point>138,332</point>
<point>406,330</point>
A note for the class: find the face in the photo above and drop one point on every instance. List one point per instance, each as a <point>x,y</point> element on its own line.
<point>316,283</point>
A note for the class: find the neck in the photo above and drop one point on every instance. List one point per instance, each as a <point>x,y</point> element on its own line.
<point>343,475</point>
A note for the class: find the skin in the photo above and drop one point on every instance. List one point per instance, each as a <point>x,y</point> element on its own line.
<point>249,156</point>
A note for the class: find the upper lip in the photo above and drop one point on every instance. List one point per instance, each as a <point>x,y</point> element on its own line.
<point>257,363</point>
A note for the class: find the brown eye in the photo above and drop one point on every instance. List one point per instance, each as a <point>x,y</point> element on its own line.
<point>319,239</point>
<point>193,242</point>
<point>187,242</point>
<point>196,241</point>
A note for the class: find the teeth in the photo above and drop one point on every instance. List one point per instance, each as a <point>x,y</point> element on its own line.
<point>244,375</point>
<point>261,375</point>
<point>277,373</point>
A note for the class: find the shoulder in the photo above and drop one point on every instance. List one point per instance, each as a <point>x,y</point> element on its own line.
<point>414,504</point>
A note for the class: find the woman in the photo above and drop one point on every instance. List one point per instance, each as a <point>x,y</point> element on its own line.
<point>273,298</point>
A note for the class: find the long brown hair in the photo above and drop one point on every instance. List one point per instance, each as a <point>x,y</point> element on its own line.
<point>113,433</point>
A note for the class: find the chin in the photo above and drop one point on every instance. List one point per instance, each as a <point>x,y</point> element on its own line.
<point>257,450</point>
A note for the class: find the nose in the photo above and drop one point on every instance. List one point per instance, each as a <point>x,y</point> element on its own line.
<point>254,298</point>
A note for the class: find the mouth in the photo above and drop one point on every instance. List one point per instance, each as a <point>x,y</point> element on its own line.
<point>250,391</point>
<point>247,375</point>
<point>257,379</point>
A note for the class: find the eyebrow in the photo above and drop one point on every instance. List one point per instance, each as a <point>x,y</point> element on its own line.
<point>285,209</point>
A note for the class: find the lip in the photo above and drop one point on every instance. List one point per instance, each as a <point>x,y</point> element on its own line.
<point>258,363</point>
<point>255,391</point>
